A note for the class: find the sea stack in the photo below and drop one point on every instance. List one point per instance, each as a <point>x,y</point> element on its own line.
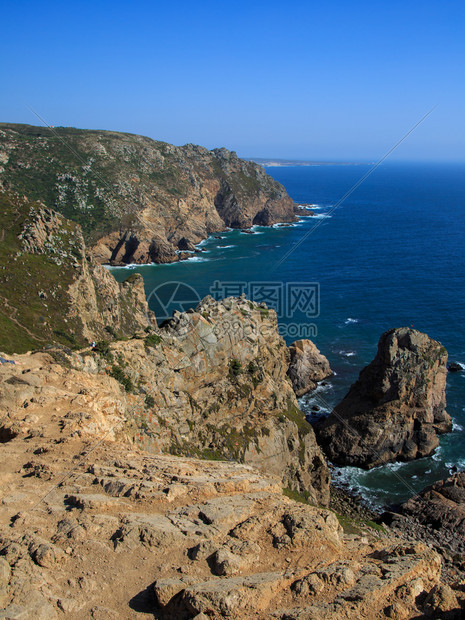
<point>307,366</point>
<point>396,409</point>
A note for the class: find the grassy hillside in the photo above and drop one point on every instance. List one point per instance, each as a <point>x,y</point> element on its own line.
<point>33,286</point>
<point>51,290</point>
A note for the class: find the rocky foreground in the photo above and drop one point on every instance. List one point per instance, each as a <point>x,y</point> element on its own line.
<point>93,527</point>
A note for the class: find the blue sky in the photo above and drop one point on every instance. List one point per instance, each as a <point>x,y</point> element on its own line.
<point>311,80</point>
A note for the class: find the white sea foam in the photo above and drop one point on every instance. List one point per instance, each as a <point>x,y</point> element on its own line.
<point>456,426</point>
<point>226,247</point>
<point>347,353</point>
<point>392,466</point>
<point>197,259</point>
<point>350,320</point>
<point>321,216</point>
<point>352,477</point>
<point>128,266</point>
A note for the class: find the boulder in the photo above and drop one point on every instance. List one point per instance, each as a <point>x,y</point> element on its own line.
<point>307,366</point>
<point>442,506</point>
<point>185,244</point>
<point>396,409</point>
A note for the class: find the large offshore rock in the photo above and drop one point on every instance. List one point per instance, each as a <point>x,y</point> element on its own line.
<point>396,409</point>
<point>307,366</point>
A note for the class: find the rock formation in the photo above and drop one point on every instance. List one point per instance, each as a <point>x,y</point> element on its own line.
<point>137,199</point>
<point>213,384</point>
<point>52,290</point>
<point>396,409</point>
<point>307,366</point>
<point>94,527</point>
<point>441,506</point>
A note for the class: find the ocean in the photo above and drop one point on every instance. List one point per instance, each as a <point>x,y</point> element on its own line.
<point>392,254</point>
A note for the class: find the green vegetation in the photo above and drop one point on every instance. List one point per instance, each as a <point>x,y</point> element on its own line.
<point>152,340</point>
<point>255,374</point>
<point>71,338</point>
<point>110,330</point>
<point>296,496</point>
<point>252,368</point>
<point>103,348</point>
<point>235,368</point>
<point>232,441</point>
<point>33,287</point>
<point>358,527</point>
<point>186,449</point>
<point>294,414</point>
<point>80,173</point>
<point>117,372</point>
<point>149,401</point>
<point>99,180</point>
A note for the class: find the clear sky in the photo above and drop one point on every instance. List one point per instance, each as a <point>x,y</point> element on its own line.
<point>321,80</point>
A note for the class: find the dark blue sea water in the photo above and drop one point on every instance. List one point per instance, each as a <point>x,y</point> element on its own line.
<point>391,255</point>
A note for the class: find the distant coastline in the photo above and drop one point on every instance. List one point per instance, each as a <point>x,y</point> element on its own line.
<point>270,163</point>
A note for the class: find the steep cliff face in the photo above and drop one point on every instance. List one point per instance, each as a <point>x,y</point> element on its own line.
<point>136,199</point>
<point>52,290</point>
<point>216,384</point>
<point>396,409</point>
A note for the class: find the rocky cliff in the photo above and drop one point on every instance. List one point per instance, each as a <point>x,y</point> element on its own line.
<point>93,527</point>
<point>213,384</point>
<point>51,288</point>
<point>136,199</point>
<point>396,409</point>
